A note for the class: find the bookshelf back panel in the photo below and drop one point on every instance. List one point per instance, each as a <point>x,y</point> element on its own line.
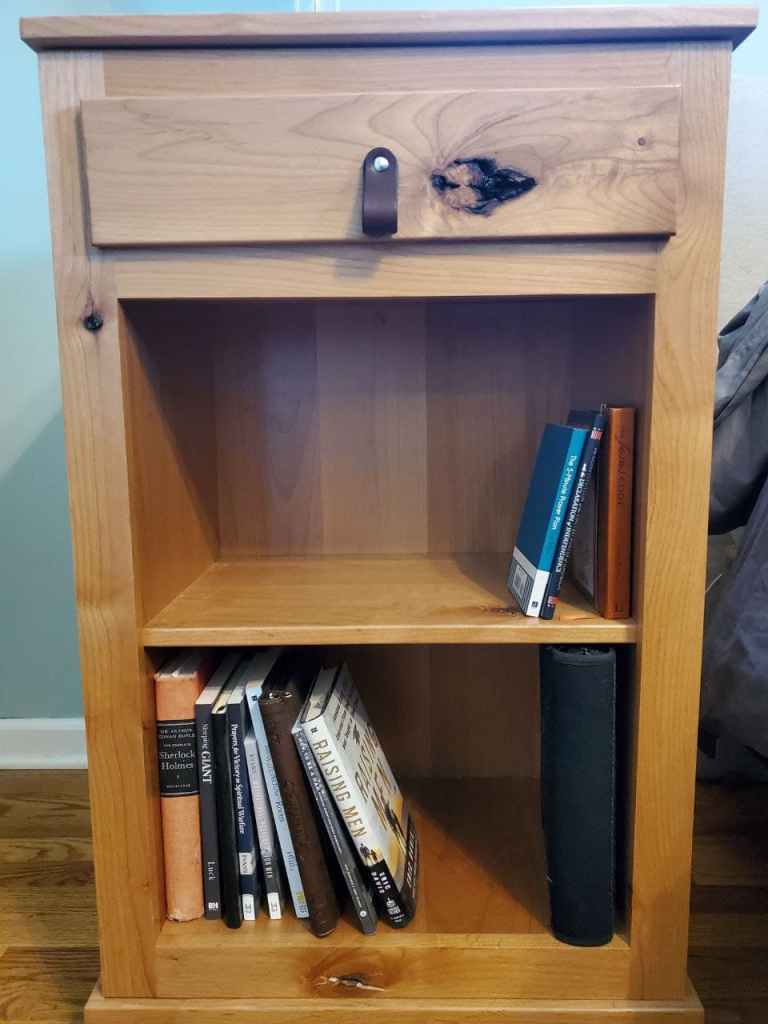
<point>386,427</point>
<point>445,711</point>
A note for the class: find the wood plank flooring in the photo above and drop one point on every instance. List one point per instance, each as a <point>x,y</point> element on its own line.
<point>48,942</point>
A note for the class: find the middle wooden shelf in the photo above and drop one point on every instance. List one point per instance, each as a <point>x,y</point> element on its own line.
<point>392,599</point>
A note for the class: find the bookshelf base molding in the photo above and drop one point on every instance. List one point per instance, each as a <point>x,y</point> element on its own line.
<point>354,1008</point>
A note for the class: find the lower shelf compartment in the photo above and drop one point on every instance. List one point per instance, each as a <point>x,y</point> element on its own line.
<point>352,1010</point>
<point>480,930</point>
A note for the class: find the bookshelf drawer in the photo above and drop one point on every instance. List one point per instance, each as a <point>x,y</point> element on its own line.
<point>515,163</point>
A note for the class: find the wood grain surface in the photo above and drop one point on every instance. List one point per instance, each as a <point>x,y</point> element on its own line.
<point>379,599</point>
<point>186,170</point>
<point>47,972</point>
<point>379,27</point>
<point>670,559</point>
<point>119,703</point>
<point>249,72</point>
<point>407,270</point>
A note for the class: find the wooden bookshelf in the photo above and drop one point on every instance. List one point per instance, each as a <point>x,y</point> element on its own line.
<point>282,431</point>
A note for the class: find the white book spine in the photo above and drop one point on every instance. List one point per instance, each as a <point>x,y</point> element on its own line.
<point>341,771</point>
<point>276,803</point>
<point>265,829</point>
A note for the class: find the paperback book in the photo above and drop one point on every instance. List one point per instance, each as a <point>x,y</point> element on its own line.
<point>206,773</point>
<point>265,830</point>
<point>237,717</point>
<point>552,482</point>
<point>261,664</point>
<point>340,843</point>
<point>593,421</point>
<point>360,781</point>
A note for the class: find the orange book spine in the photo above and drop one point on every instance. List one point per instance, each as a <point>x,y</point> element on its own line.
<point>176,691</point>
<point>614,542</point>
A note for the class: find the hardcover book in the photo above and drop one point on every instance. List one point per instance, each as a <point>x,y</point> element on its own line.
<point>261,664</point>
<point>206,770</point>
<point>177,686</point>
<point>265,830</point>
<point>601,562</point>
<point>593,421</point>
<point>578,789</point>
<point>360,780</point>
<point>338,838</point>
<point>232,909</point>
<point>237,717</point>
<point>280,703</point>
<point>552,482</point>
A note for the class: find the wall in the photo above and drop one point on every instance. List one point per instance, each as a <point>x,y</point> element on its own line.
<point>38,666</point>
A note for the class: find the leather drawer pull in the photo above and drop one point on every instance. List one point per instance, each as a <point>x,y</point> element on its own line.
<point>380,193</point>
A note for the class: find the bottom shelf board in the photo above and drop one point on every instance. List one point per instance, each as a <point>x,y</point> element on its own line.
<point>353,1009</point>
<point>480,929</point>
<point>369,599</point>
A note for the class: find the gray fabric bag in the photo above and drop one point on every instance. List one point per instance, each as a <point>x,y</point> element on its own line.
<point>734,700</point>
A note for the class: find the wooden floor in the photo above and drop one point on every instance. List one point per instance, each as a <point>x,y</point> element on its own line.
<point>49,960</point>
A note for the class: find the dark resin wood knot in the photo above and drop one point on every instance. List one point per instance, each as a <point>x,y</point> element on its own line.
<point>478,185</point>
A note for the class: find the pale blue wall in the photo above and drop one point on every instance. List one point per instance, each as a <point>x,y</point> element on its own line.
<point>38,649</point>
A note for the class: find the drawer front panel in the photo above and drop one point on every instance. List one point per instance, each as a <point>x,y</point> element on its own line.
<point>494,164</point>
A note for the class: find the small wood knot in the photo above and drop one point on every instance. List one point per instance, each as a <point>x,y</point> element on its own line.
<point>353,981</point>
<point>93,321</point>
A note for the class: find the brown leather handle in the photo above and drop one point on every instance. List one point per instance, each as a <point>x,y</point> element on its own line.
<point>380,193</point>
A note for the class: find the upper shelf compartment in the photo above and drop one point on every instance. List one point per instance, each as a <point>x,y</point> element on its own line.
<point>498,164</point>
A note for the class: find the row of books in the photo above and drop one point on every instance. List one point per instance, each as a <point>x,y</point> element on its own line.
<point>274,786</point>
<point>578,510</point>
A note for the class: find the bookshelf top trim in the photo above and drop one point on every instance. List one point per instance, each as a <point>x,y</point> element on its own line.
<point>393,28</point>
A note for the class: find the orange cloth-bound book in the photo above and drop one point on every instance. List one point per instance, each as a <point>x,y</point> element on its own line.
<point>177,686</point>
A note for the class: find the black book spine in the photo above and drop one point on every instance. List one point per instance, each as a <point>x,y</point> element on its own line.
<point>250,888</point>
<point>586,468</point>
<point>578,784</point>
<point>397,906</point>
<point>208,826</point>
<point>228,860</point>
<point>346,858</point>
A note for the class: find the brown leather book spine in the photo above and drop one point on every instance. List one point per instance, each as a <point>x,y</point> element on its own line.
<point>175,696</point>
<point>614,543</point>
<point>280,709</point>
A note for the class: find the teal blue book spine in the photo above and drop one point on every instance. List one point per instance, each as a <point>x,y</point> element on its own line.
<point>552,482</point>
<point>594,421</point>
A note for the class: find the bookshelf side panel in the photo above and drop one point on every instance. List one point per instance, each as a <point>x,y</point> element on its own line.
<point>673,494</point>
<point>116,680</point>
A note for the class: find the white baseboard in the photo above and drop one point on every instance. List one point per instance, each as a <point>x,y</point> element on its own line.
<point>42,743</point>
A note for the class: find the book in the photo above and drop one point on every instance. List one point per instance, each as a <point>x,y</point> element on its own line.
<point>338,839</point>
<point>265,830</point>
<point>245,834</point>
<point>360,781</point>
<point>259,667</point>
<point>177,686</point>
<point>601,561</point>
<point>593,421</point>
<point>280,703</point>
<point>552,482</point>
<point>229,863</point>
<point>206,775</point>
<point>578,787</point>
